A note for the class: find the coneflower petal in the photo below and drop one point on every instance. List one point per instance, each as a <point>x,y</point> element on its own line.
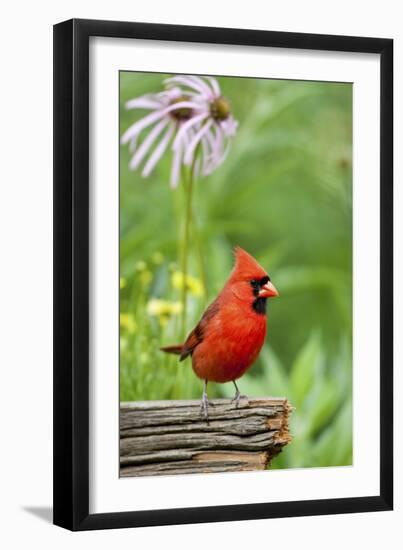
<point>168,95</point>
<point>147,143</point>
<point>218,139</point>
<point>185,80</point>
<point>229,126</point>
<point>187,159</point>
<point>210,138</point>
<point>215,86</point>
<point>133,144</point>
<point>208,142</point>
<point>202,85</point>
<point>181,105</point>
<point>158,152</point>
<point>188,136</point>
<point>186,126</point>
<point>178,157</point>
<point>219,146</point>
<point>136,128</point>
<point>142,103</point>
<point>215,139</point>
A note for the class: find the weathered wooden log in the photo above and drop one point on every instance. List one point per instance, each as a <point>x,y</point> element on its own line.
<point>170,437</point>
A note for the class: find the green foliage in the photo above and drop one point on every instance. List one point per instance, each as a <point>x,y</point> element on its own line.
<point>320,391</point>
<point>284,194</point>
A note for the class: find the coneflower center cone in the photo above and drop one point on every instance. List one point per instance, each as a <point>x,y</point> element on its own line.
<point>181,113</point>
<point>220,108</point>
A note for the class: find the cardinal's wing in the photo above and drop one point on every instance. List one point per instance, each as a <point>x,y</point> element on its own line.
<point>197,334</point>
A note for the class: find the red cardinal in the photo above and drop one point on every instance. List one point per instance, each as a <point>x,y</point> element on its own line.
<point>231,332</point>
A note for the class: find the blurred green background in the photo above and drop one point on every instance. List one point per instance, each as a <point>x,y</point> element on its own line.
<point>284,193</point>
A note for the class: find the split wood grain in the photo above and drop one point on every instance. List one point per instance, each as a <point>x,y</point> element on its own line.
<point>170,437</point>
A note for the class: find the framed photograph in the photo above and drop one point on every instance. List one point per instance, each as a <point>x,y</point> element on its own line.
<point>223,274</point>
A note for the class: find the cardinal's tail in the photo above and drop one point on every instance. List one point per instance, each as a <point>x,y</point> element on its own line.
<point>177,350</point>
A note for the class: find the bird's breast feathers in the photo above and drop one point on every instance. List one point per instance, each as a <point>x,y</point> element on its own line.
<point>230,345</point>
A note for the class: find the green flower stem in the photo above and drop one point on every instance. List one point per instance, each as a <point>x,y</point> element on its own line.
<point>200,257</point>
<point>185,244</point>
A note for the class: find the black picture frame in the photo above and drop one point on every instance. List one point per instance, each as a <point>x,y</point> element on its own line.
<point>71,274</point>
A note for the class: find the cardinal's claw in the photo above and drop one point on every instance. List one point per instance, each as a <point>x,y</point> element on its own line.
<point>238,395</point>
<point>205,403</point>
<point>204,407</point>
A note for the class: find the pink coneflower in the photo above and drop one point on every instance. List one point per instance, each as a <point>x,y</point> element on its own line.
<point>194,119</point>
<point>170,110</point>
<point>193,116</point>
<point>212,128</point>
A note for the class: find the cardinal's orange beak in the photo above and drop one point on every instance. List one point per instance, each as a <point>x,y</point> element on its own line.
<point>268,290</point>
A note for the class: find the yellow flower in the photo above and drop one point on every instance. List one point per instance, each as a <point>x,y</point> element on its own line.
<point>193,284</point>
<point>145,277</point>
<point>157,258</point>
<point>123,282</point>
<point>127,322</point>
<point>163,309</point>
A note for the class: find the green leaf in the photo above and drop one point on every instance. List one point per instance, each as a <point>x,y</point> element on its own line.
<point>334,447</point>
<point>324,405</point>
<point>304,368</point>
<point>276,380</point>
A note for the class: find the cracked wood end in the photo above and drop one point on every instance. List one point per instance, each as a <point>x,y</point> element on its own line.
<point>170,437</point>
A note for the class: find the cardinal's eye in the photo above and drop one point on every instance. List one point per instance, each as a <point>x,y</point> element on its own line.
<point>254,283</point>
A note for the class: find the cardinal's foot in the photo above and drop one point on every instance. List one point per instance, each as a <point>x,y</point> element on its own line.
<point>204,406</point>
<point>205,403</point>
<point>237,398</point>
